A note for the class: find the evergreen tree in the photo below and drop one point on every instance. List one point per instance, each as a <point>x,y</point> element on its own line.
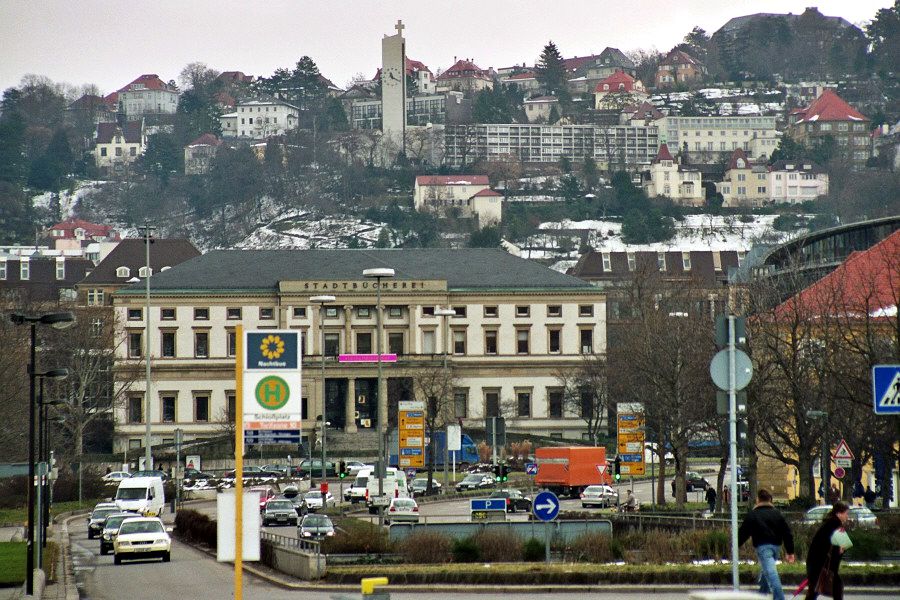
<point>554,115</point>
<point>163,156</point>
<point>197,113</point>
<point>492,106</point>
<point>12,146</point>
<point>565,164</point>
<point>590,174</point>
<point>50,170</point>
<point>487,237</point>
<point>335,116</point>
<point>550,72</point>
<point>788,149</point>
<point>16,215</point>
<point>883,33</point>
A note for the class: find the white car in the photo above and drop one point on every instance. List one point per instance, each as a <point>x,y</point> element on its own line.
<point>116,476</point>
<point>143,537</point>
<point>314,500</point>
<point>354,467</point>
<point>598,495</point>
<point>402,509</point>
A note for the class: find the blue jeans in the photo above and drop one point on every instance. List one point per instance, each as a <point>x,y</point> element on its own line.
<point>769,582</point>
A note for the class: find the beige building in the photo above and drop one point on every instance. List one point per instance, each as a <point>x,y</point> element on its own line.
<point>199,154</point>
<point>467,195</point>
<point>260,119</point>
<point>796,181</point>
<point>537,110</point>
<point>829,116</point>
<point>668,178</point>
<point>517,324</point>
<point>119,146</point>
<point>718,137</point>
<point>146,95</point>
<point>745,184</point>
<point>464,76</point>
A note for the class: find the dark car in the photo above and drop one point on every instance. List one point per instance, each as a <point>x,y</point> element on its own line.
<point>252,473</point>
<point>475,481</point>
<point>515,500</point>
<point>111,529</point>
<point>313,468</point>
<point>419,487</point>
<point>694,481</point>
<point>98,517</point>
<point>279,511</point>
<point>293,495</point>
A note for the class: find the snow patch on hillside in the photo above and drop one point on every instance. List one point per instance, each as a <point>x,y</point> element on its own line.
<point>67,200</point>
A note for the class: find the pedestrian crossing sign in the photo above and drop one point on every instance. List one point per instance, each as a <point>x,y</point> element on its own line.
<point>886,389</point>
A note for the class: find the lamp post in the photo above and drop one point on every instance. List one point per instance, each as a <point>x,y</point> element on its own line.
<point>445,314</point>
<point>378,274</point>
<point>43,441</point>
<point>825,462</point>
<point>58,321</point>
<point>147,231</point>
<point>322,301</point>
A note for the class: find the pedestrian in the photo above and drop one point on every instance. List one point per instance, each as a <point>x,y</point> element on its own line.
<point>630,502</point>
<point>823,559</point>
<point>768,530</point>
<point>858,489</point>
<point>834,494</point>
<point>870,496</point>
<point>711,498</point>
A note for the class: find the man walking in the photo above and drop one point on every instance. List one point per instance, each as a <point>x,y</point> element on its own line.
<point>711,498</point>
<point>768,529</point>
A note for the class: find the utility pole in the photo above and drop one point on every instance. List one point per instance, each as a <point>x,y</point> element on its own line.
<point>147,231</point>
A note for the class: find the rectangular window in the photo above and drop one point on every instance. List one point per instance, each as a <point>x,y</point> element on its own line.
<point>461,404</point>
<point>230,406</point>
<point>492,403</point>
<point>395,312</point>
<point>686,261</point>
<point>632,261</point>
<point>168,409</point>
<point>395,342</point>
<point>586,339</point>
<point>3,270</point>
<point>490,342</point>
<point>364,342</point>
<point>332,344</point>
<point>135,409</point>
<point>118,151</point>
<point>135,347</point>
<point>428,311</point>
<point>299,312</point>
<point>363,312</point>
<point>523,311</point>
<point>95,297</point>
<point>587,404</point>
<point>428,342</point>
<point>585,310</point>
<point>460,311</point>
<point>132,151</point>
<point>135,314</point>
<point>201,314</point>
<point>24,269</point>
<point>522,341</point>
<point>60,270</point>
<point>201,408</point>
<point>607,260</point>
<point>555,403</point>
<point>266,313</point>
<point>233,313</point>
<point>102,151</point>
<point>167,344</point>
<point>201,344</point>
<point>491,312</point>
<point>331,312</point>
<point>459,341</point>
<point>554,310</point>
<point>661,260</point>
<point>523,404</point>
<point>554,340</point>
<point>167,314</point>
<point>231,342</point>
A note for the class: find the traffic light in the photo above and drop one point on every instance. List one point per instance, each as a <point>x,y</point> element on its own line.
<point>496,470</point>
<point>504,473</point>
<point>342,469</point>
<point>618,468</point>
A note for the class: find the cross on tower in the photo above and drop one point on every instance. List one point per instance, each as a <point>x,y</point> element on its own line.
<point>400,27</point>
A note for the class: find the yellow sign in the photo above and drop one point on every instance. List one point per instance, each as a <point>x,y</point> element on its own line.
<point>411,434</point>
<point>631,436</point>
<point>633,469</point>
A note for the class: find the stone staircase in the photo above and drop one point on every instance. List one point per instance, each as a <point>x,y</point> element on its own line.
<point>362,444</point>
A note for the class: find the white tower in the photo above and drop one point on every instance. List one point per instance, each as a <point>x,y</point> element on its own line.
<point>393,89</point>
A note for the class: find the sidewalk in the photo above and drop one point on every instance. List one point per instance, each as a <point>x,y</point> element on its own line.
<point>64,587</point>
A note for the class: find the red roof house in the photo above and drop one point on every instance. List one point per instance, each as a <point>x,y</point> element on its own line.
<point>828,107</point>
<point>78,229</point>
<point>663,154</point>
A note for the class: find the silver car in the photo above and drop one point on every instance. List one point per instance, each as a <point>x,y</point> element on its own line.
<point>316,526</point>
<point>859,516</point>
<point>598,495</point>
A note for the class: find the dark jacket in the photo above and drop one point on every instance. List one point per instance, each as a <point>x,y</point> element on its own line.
<point>766,526</point>
<point>710,494</point>
<point>818,549</point>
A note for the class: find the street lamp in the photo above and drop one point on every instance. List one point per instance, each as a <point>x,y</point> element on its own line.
<point>445,314</point>
<point>825,462</point>
<point>378,274</point>
<point>43,440</point>
<point>59,320</point>
<point>322,301</point>
<point>147,231</point>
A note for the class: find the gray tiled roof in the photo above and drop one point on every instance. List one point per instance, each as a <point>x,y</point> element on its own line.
<point>263,269</point>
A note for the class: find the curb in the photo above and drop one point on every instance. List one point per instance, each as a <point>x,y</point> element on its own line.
<point>68,571</point>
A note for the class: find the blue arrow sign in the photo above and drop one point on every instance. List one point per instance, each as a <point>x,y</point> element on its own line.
<point>531,468</point>
<point>886,389</point>
<point>546,506</point>
<point>476,504</point>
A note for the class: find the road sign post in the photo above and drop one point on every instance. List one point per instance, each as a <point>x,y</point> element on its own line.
<point>546,509</point>
<point>487,509</point>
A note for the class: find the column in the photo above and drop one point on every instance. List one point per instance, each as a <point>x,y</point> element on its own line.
<point>350,408</point>
<point>349,342</point>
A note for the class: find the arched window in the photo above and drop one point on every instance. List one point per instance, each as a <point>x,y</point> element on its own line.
<point>123,272</point>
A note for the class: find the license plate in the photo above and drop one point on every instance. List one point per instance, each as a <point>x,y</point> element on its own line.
<point>144,549</point>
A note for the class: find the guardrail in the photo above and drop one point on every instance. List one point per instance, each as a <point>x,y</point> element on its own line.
<point>669,521</point>
<point>312,546</point>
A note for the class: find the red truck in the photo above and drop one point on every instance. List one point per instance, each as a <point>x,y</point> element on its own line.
<point>567,470</point>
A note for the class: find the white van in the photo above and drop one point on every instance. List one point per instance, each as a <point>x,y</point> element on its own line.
<point>142,495</point>
<point>357,491</point>
<point>394,486</point>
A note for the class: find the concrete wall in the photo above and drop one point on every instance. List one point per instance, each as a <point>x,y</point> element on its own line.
<point>298,563</point>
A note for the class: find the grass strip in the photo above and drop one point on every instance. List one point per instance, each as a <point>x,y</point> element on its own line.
<point>20,515</point>
<point>12,563</point>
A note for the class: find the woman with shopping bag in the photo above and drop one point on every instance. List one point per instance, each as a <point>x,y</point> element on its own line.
<point>824,556</point>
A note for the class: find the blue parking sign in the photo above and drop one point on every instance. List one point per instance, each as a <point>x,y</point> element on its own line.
<point>886,389</point>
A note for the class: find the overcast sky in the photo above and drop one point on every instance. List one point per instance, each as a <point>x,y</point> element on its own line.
<point>110,42</point>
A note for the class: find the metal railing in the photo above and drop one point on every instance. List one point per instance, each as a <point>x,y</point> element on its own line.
<point>311,546</point>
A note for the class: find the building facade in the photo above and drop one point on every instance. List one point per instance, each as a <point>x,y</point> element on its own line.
<point>31,276</point>
<point>830,117</point>
<point>716,136</point>
<point>119,146</point>
<point>628,146</point>
<point>260,119</point>
<point>796,181</point>
<point>517,323</point>
<point>469,196</point>
<point>678,68</point>
<point>148,95</point>
<point>199,154</point>
<point>668,178</point>
<point>745,184</point>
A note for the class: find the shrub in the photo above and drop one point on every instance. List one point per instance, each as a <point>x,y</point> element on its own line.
<point>713,544</point>
<point>13,492</point>
<point>596,547</point>
<point>867,544</point>
<point>533,550</point>
<point>195,527</point>
<point>465,550</point>
<point>426,547</point>
<point>660,547</point>
<point>498,546</point>
<point>356,537</point>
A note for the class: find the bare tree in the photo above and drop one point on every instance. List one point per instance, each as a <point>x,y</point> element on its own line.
<point>433,385</point>
<point>586,393</point>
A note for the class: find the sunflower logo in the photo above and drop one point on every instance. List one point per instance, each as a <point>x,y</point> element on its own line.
<point>272,347</point>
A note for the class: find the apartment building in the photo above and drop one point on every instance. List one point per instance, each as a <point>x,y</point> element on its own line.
<point>796,181</point>
<point>829,116</point>
<point>260,119</point>
<point>516,325</point>
<point>147,95</point>
<point>717,137</point>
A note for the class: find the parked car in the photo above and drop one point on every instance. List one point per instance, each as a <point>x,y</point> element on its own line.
<point>279,512</point>
<point>314,500</point>
<point>313,468</point>
<point>252,473</point>
<point>142,537</point>
<point>98,517</point>
<point>116,476</point>
<point>515,499</point>
<point>266,493</point>
<point>111,530</point>
<point>152,473</point>
<point>355,466</point>
<point>599,495</point>
<point>402,509</point>
<point>293,495</point>
<point>694,481</point>
<point>279,470</point>
<point>860,516</point>
<point>419,487</point>
<point>315,526</point>
<point>475,481</point>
